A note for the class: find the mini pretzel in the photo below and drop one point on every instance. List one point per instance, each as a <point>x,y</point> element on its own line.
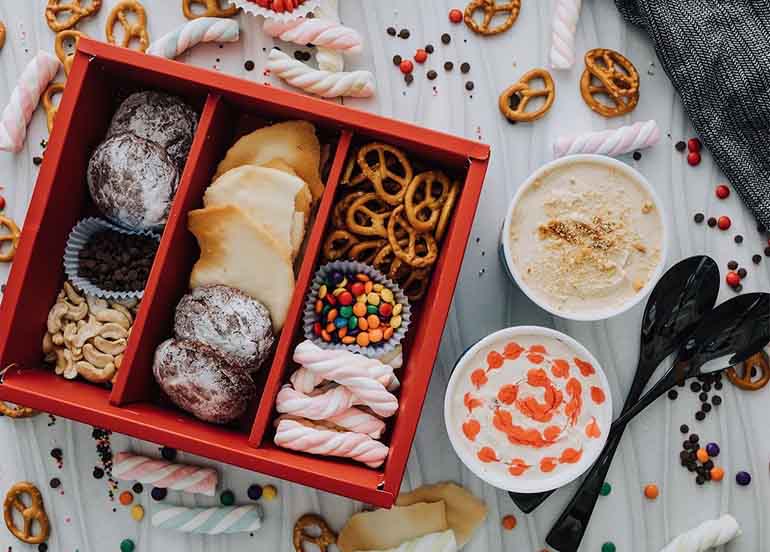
<point>491,8</point>
<point>138,30</point>
<point>12,237</point>
<point>67,57</point>
<point>16,412</point>
<point>513,102</point>
<point>368,216</point>
<point>446,211</point>
<point>389,185</point>
<point>76,11</point>
<point>746,380</point>
<point>617,79</point>
<point>50,109</point>
<point>322,541</point>
<point>424,197</point>
<point>212,9</point>
<point>2,35</point>
<point>415,284</point>
<point>34,512</point>
<point>366,251</point>
<point>411,252</point>
<point>340,213</point>
<point>337,244</point>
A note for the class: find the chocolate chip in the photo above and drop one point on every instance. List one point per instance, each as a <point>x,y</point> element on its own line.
<point>742,273</point>
<point>408,78</point>
<point>708,464</point>
<point>37,160</point>
<point>465,67</point>
<point>397,60</point>
<point>55,483</point>
<point>716,400</point>
<point>700,416</point>
<point>637,155</point>
<point>429,48</point>
<point>404,33</point>
<point>684,428</point>
<point>732,265</point>
<point>672,394</point>
<point>738,239</point>
<point>738,288</point>
<point>695,387</point>
<point>712,222</point>
<point>445,38</point>
<point>469,86</point>
<point>694,438</point>
<point>699,217</point>
<point>115,261</point>
<point>432,75</point>
<point>391,31</point>
<point>680,146</point>
<point>448,65</point>
<point>706,407</point>
<point>767,251</point>
<point>249,65</point>
<point>703,397</point>
<point>756,259</point>
<point>700,480</point>
<point>98,472</point>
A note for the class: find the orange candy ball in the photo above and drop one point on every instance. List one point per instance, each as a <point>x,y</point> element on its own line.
<point>651,491</point>
<point>702,456</point>
<point>126,498</point>
<point>717,473</point>
<point>509,522</point>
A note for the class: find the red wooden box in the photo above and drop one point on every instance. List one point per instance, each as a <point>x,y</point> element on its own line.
<point>229,107</point>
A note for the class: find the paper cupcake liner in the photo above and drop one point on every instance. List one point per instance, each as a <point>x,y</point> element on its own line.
<point>78,238</point>
<point>255,9</point>
<point>353,267</point>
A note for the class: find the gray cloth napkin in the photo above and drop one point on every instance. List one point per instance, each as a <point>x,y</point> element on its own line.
<point>717,55</point>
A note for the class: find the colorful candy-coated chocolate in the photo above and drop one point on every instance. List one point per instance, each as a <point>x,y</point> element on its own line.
<point>254,492</point>
<point>126,498</point>
<point>127,545</point>
<point>137,512</point>
<point>227,498</point>
<point>693,158</point>
<point>509,522</point>
<point>724,222</point>
<point>651,491</point>
<point>717,473</point>
<point>606,489</point>
<point>722,191</point>
<point>712,449</point>
<point>743,478</point>
<point>269,492</point>
<point>702,455</point>
<point>455,16</point>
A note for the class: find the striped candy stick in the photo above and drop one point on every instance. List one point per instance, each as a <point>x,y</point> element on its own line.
<point>208,521</point>
<point>163,474</point>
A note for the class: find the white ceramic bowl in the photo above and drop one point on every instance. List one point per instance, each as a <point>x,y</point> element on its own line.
<point>513,271</point>
<point>522,484</point>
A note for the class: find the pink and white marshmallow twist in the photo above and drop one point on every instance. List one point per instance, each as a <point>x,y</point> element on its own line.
<point>160,473</point>
<point>359,421</point>
<point>356,84</point>
<point>319,32</point>
<point>203,29</point>
<point>356,372</point>
<point>305,381</point>
<point>316,407</point>
<point>294,435</point>
<point>610,142</point>
<point>35,78</point>
<point>564,25</point>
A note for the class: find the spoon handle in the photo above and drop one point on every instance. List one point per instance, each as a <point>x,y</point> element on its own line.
<point>678,372</point>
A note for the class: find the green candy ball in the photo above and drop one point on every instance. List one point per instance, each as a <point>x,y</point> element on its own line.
<point>606,489</point>
<point>608,547</point>
<point>227,498</point>
<point>127,545</point>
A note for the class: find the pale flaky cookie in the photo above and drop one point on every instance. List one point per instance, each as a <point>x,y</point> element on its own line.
<point>293,142</point>
<point>237,252</point>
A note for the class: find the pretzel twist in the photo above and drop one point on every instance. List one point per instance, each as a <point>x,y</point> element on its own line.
<point>514,100</point>
<point>35,512</point>
<point>138,30</point>
<point>74,8</point>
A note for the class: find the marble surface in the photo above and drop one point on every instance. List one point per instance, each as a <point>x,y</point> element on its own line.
<point>84,518</point>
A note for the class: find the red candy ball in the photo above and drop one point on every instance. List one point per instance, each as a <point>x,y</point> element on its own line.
<point>694,144</point>
<point>722,191</point>
<point>693,158</point>
<point>455,16</point>
<point>406,66</point>
<point>386,309</point>
<point>357,289</point>
<point>724,222</point>
<point>2,203</point>
<point>732,279</point>
<point>345,298</point>
<point>420,56</point>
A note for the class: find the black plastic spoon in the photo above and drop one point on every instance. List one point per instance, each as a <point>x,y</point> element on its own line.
<point>684,294</point>
<point>729,334</point>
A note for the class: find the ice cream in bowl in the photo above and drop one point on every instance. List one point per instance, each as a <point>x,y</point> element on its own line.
<point>528,409</point>
<point>585,237</point>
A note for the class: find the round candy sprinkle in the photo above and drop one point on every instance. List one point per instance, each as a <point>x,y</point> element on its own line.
<point>712,222</point>
<point>404,33</point>
<point>431,75</point>
<point>126,498</point>
<point>509,522</point>
<point>732,265</point>
<point>406,66</point>
<point>448,66</point>
<point>717,473</point>
<point>684,428</point>
<point>227,498</point>
<point>469,86</point>
<point>391,31</point>
<point>743,478</point>
<point>158,493</point>
<point>722,191</point>
<point>699,218</point>
<point>42,547</point>
<point>651,491</point>
<point>429,48</point>
<point>742,272</point>
<point>680,146</point>
<point>254,492</point>
<point>98,473</point>
<point>138,488</point>
<point>465,67</point>
<point>732,279</point>
<point>396,61</point>
<point>445,38</point>
<point>606,489</point>
<point>57,453</point>
<point>137,512</point>
<point>724,222</point>
<point>455,16</point>
<point>702,455</point>
<point>693,158</point>
<point>608,547</point>
<point>127,545</point>
<point>756,259</point>
<point>420,56</point>
<point>55,483</point>
<point>694,144</point>
<point>168,453</point>
<point>269,492</point>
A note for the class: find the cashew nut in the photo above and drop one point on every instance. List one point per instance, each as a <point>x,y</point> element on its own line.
<point>77,312</point>
<point>69,371</point>
<point>94,374</point>
<point>118,360</point>
<point>58,339</point>
<point>95,304</point>
<point>96,357</point>
<point>86,331</point>
<point>54,321</point>
<point>123,310</point>
<point>111,315</point>
<point>47,344</point>
<point>129,303</point>
<point>113,331</point>
<point>72,295</point>
<point>110,347</point>
<point>70,330</point>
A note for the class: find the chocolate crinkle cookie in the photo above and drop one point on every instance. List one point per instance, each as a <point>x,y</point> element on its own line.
<point>132,181</point>
<point>161,118</point>
<point>234,325</point>
<point>198,381</point>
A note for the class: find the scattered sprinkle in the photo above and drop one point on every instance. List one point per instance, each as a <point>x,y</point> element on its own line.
<point>509,522</point>
<point>606,489</point>
<point>269,492</point>
<point>651,491</point>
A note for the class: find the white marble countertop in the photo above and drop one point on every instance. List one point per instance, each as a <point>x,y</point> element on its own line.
<point>82,515</point>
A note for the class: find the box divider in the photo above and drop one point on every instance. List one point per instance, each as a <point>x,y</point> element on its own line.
<point>283,353</point>
<point>166,283</point>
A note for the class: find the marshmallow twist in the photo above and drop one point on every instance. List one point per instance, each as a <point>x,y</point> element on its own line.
<point>357,84</point>
<point>208,521</point>
<point>160,473</point>
<point>203,29</point>
<point>318,407</point>
<point>706,536</point>
<point>564,25</point>
<point>316,31</point>
<point>35,78</point>
<point>294,435</point>
<point>305,381</point>
<point>328,58</point>
<point>609,142</point>
<point>358,421</point>
<point>351,370</point>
